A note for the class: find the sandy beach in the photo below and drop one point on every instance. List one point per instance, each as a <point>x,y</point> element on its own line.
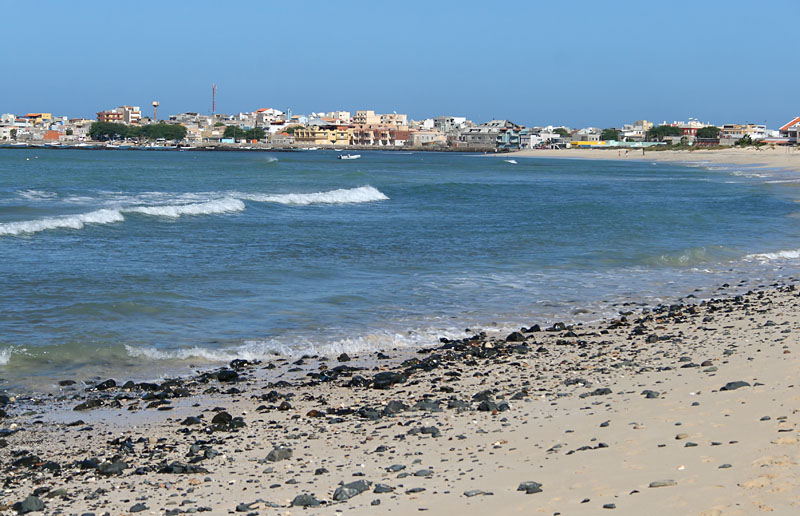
<point>778,157</point>
<point>682,409</point>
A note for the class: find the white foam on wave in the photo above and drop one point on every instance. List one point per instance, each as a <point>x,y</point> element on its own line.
<point>105,216</point>
<point>5,356</point>
<point>791,254</point>
<point>265,349</point>
<point>341,196</point>
<point>227,205</point>
<point>37,195</point>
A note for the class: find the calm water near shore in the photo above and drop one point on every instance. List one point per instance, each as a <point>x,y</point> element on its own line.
<point>143,264</point>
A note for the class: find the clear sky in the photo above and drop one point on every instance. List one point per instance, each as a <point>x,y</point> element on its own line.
<point>576,63</point>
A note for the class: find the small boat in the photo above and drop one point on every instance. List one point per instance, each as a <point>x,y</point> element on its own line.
<point>512,161</point>
<point>349,156</point>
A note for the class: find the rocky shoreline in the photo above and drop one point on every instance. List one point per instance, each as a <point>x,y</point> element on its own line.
<point>681,409</point>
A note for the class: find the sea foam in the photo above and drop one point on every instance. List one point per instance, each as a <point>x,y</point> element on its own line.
<point>5,356</point>
<point>105,216</point>
<point>340,196</point>
<point>227,205</point>
<point>791,254</point>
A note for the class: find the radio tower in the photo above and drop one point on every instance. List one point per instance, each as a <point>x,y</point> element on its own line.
<point>213,99</point>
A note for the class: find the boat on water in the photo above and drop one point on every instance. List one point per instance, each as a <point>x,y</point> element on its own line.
<point>349,156</point>
<point>512,161</point>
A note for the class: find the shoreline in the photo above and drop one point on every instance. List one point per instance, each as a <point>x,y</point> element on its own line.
<point>595,413</point>
<point>787,158</point>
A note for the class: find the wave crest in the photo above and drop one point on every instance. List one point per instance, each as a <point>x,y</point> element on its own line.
<point>791,254</point>
<point>340,196</point>
<point>227,205</point>
<point>105,216</point>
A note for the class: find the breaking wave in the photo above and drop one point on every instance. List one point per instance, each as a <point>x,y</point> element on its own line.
<point>265,349</point>
<point>778,255</point>
<point>232,202</point>
<point>5,356</point>
<point>64,222</point>
<point>340,196</point>
<point>228,205</point>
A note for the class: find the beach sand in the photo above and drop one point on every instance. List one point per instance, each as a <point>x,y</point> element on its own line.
<point>778,157</point>
<point>628,414</point>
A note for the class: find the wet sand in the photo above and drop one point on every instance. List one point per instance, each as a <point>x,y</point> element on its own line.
<point>631,414</point>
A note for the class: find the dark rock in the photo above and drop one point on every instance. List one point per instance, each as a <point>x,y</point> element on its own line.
<point>191,420</point>
<point>732,386</point>
<point>663,483</point>
<point>112,468</point>
<point>600,392</point>
<point>424,473</point>
<point>610,506</point>
<point>347,491</point>
<point>30,504</point>
<point>239,364</point>
<point>344,357</point>
<point>394,407</point>
<point>530,487</point>
<point>89,404</point>
<point>108,384</point>
<point>427,406</point>
<point>488,406</point>
<point>227,375</point>
<point>486,395</point>
<point>320,471</point>
<point>476,492</point>
<point>280,453</point>
<point>222,418</point>
<point>139,507</point>
<point>305,500</point>
<point>382,488</point>
<point>386,379</point>
<point>516,337</point>
<point>394,468</point>
<point>178,468</point>
<point>648,394</point>
<point>66,383</point>
<point>357,381</point>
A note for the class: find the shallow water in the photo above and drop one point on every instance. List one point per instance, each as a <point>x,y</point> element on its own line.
<point>140,264</point>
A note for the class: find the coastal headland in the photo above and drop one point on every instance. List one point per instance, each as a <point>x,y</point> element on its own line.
<point>690,408</point>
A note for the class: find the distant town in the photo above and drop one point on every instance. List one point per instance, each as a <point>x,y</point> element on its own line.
<point>126,127</point>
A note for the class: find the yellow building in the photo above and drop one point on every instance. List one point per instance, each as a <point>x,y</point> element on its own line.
<point>323,135</point>
<point>39,118</point>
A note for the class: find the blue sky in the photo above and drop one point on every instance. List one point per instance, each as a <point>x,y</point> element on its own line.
<point>577,63</point>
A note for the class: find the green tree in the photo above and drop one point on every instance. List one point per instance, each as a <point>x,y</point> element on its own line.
<point>13,134</point>
<point>610,134</point>
<point>708,131</point>
<point>744,141</point>
<point>662,131</point>
<point>563,132</point>
<point>68,132</point>
<point>218,124</point>
<point>102,131</point>
<point>234,132</point>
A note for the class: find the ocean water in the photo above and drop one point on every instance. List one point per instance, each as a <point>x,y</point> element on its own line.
<point>146,264</point>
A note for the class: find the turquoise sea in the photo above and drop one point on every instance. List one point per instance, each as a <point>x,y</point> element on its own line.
<point>137,265</point>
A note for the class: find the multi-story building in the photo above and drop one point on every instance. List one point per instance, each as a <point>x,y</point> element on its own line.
<point>341,117</point>
<point>379,135</point>
<point>336,135</point>
<point>121,115</point>
<point>739,131</point>
<point>449,123</point>
<point>790,130</point>
<point>366,118</point>
<point>394,119</point>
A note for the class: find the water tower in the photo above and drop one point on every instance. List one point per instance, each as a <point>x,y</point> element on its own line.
<point>155,111</point>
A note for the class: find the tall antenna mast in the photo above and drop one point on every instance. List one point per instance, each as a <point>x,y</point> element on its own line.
<point>213,99</point>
